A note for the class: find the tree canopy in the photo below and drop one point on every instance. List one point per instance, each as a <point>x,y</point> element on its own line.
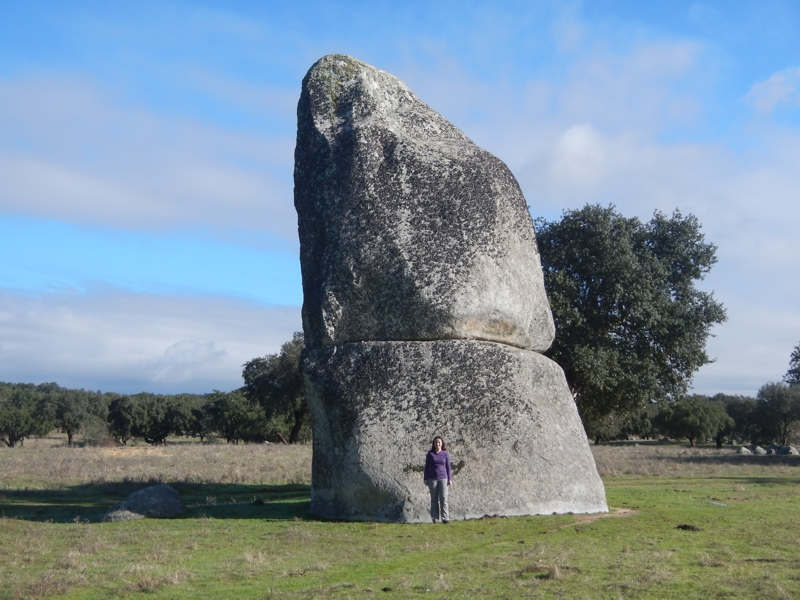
<point>777,412</point>
<point>631,326</point>
<point>695,418</point>
<point>740,410</point>
<point>22,414</point>
<point>276,383</point>
<point>793,374</point>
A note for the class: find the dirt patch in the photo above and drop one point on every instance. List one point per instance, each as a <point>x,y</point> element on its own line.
<point>612,513</point>
<point>131,451</point>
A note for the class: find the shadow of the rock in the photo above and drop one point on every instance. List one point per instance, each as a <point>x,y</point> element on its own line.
<point>89,502</point>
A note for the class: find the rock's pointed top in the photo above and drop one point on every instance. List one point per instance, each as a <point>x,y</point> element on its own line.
<point>342,89</point>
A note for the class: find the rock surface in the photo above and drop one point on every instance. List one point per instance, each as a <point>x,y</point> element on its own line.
<point>157,501</point>
<point>506,414</point>
<point>408,230</point>
<point>743,450</point>
<point>120,514</point>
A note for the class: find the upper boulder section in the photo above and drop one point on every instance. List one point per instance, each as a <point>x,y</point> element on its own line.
<point>408,230</point>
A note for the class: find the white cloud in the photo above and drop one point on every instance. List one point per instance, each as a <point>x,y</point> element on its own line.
<point>186,360</point>
<point>637,88</point>
<point>132,342</point>
<point>71,151</point>
<point>782,87</point>
<point>753,348</point>
<point>581,157</point>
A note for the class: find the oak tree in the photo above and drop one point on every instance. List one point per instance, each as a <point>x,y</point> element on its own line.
<point>275,381</point>
<point>631,327</point>
<point>694,418</point>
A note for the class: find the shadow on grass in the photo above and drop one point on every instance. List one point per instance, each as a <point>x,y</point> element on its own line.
<point>732,459</point>
<point>632,443</point>
<point>762,480</point>
<point>89,502</point>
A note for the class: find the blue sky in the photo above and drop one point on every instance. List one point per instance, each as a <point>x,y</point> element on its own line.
<point>147,235</point>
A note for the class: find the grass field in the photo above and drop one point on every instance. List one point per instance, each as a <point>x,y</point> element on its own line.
<point>248,534</point>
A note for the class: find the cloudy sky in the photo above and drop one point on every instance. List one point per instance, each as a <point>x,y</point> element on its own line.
<point>147,235</point>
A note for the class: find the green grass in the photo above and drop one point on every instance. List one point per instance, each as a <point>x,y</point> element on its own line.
<point>228,546</point>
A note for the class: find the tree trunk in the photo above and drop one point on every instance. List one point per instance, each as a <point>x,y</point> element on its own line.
<point>298,425</point>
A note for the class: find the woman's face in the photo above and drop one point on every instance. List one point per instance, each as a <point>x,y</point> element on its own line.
<point>437,444</point>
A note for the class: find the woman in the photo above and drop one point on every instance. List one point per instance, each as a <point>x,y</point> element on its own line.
<point>437,477</point>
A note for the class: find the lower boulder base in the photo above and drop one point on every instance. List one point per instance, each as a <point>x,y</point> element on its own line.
<point>515,439</point>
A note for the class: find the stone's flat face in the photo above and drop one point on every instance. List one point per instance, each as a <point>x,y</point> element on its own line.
<point>408,230</point>
<point>509,421</point>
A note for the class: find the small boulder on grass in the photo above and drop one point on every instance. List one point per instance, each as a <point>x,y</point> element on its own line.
<point>784,450</point>
<point>743,450</point>
<point>157,501</point>
<point>759,450</point>
<point>120,514</point>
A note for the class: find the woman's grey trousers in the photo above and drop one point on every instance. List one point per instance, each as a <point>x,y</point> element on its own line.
<point>438,488</point>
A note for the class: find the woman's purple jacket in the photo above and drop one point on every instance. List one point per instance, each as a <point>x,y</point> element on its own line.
<point>437,466</point>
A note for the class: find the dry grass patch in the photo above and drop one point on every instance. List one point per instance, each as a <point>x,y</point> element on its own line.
<point>149,583</point>
<point>46,464</point>
<point>657,459</point>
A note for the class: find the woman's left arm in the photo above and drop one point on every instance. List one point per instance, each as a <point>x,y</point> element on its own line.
<point>449,471</point>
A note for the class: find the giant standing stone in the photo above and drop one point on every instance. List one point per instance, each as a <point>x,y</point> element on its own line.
<point>408,230</point>
<point>423,307</point>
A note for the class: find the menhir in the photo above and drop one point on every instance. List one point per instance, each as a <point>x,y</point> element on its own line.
<point>424,313</point>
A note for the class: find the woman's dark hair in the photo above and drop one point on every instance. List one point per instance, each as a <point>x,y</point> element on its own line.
<point>433,443</point>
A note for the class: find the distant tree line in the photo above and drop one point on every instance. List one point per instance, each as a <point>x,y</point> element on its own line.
<point>269,407</point>
<point>773,416</point>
